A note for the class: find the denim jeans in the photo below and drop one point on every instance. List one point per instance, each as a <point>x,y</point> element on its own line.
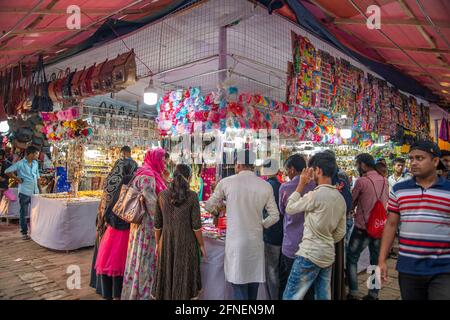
<point>348,233</point>
<point>358,242</point>
<point>285,270</point>
<point>24,201</point>
<point>349,228</point>
<point>248,291</point>
<point>272,260</point>
<point>305,274</point>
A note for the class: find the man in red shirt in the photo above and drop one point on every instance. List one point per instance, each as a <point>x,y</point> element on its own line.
<point>370,187</point>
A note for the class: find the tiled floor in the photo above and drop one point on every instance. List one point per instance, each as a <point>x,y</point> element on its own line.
<point>28,271</point>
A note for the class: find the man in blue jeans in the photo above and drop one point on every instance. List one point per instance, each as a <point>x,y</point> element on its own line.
<point>325,220</point>
<point>26,173</point>
<point>369,188</point>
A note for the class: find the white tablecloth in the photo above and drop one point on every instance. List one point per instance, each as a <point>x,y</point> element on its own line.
<point>214,284</point>
<point>60,224</point>
<point>10,208</point>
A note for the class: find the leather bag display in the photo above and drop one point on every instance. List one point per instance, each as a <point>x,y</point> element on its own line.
<point>124,72</point>
<point>97,88</point>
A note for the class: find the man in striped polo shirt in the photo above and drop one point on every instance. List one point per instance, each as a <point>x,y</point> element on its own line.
<point>422,205</point>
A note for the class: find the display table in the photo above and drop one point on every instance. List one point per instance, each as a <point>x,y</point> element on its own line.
<point>215,287</point>
<point>63,224</point>
<point>10,209</point>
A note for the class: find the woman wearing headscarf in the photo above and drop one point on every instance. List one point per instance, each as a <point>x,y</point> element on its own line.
<point>141,259</point>
<point>178,225</point>
<point>111,192</point>
<point>112,252</point>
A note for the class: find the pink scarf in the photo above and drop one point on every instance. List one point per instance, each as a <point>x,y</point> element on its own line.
<point>154,165</point>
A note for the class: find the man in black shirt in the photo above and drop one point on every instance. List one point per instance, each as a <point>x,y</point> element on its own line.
<point>273,236</point>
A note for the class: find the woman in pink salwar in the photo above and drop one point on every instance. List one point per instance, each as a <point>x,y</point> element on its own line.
<point>141,259</point>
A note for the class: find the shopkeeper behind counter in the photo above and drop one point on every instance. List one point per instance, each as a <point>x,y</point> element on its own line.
<point>27,171</point>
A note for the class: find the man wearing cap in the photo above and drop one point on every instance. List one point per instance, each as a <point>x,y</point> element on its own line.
<point>422,205</point>
<point>246,196</point>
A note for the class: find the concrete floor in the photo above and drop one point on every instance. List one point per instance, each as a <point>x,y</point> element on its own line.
<point>31,272</point>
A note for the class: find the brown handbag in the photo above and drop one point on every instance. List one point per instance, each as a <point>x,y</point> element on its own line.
<point>130,206</point>
<point>96,79</point>
<point>59,85</point>
<point>86,82</point>
<point>27,86</point>
<point>52,86</point>
<point>16,91</point>
<point>76,81</point>
<point>124,72</point>
<point>106,76</point>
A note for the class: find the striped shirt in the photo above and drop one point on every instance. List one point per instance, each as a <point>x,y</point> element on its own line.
<point>425,227</point>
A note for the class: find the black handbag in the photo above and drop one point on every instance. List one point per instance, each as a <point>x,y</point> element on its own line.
<point>41,100</point>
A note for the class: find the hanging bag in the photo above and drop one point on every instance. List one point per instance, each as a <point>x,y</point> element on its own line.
<point>106,76</point>
<point>130,206</point>
<point>378,216</point>
<point>59,85</point>
<point>41,101</point>
<point>86,82</point>
<point>124,73</point>
<point>3,114</point>
<point>76,82</point>
<point>67,86</point>
<point>52,86</point>
<point>97,88</point>
<point>10,195</point>
<point>16,98</point>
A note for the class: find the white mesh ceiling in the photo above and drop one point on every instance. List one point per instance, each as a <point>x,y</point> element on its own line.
<point>258,48</point>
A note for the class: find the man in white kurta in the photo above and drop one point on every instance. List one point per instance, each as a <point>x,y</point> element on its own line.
<point>246,196</point>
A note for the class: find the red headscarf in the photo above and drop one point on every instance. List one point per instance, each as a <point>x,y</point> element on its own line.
<point>154,165</point>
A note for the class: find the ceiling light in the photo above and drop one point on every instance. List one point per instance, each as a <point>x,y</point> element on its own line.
<point>445,84</point>
<point>346,133</point>
<point>444,91</point>
<point>4,127</point>
<point>150,94</point>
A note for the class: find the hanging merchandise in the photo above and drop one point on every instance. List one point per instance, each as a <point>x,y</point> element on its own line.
<point>181,111</point>
<point>124,72</point>
<point>208,175</point>
<point>75,165</point>
<point>65,125</point>
<point>443,132</point>
<point>197,183</point>
<point>41,100</point>
<point>109,76</point>
<point>305,77</point>
<point>26,132</point>
<point>61,180</point>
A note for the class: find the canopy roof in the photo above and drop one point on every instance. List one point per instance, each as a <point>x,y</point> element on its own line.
<point>411,50</point>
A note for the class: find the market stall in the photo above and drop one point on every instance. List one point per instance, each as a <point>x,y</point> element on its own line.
<point>60,222</point>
